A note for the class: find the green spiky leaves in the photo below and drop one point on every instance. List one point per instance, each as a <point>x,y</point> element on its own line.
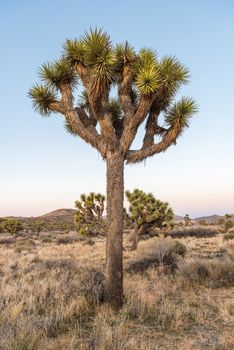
<point>114,108</point>
<point>94,51</point>
<point>42,97</point>
<point>58,73</point>
<point>147,77</point>
<point>180,113</point>
<point>88,218</point>
<point>145,208</point>
<point>75,51</point>
<point>172,74</point>
<point>125,55</point>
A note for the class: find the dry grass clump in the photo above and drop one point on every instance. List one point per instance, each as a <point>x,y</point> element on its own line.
<point>228,236</point>
<point>7,240</point>
<point>195,231</point>
<point>24,244</point>
<point>157,252</point>
<point>212,274</point>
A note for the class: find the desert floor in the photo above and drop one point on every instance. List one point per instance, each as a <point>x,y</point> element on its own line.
<point>49,299</point>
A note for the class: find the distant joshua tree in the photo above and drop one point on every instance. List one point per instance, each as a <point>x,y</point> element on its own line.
<point>228,223</point>
<point>37,226</point>
<point>12,226</point>
<point>88,218</point>
<point>145,87</point>
<point>146,212</point>
<point>187,220</point>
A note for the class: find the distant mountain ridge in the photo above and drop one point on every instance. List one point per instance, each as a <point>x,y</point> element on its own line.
<point>62,215</point>
<point>66,215</point>
<point>208,219</point>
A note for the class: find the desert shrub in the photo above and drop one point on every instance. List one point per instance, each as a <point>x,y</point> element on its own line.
<point>228,236</point>
<point>157,252</point>
<point>91,286</point>
<point>195,231</point>
<point>213,274</point>
<point>7,240</point>
<point>69,238</point>
<point>179,248</point>
<point>24,244</point>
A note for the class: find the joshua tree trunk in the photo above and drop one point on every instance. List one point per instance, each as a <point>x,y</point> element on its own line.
<point>114,243</point>
<point>135,233</point>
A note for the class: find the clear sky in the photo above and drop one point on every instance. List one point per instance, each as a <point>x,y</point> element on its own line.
<point>43,168</point>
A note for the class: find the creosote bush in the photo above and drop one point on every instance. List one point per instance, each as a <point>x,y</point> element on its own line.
<point>228,236</point>
<point>194,231</point>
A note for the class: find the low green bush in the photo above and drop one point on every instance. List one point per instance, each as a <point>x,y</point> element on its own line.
<point>228,236</point>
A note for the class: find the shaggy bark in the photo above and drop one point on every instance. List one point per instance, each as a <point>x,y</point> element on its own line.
<point>114,243</point>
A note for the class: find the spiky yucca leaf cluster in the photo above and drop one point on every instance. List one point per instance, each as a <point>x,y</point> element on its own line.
<point>58,73</point>
<point>42,97</point>
<point>93,50</point>
<point>147,76</point>
<point>125,55</point>
<point>89,216</point>
<point>145,208</point>
<point>180,113</point>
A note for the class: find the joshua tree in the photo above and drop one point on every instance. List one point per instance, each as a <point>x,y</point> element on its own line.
<point>37,226</point>
<point>228,223</point>
<point>145,87</point>
<point>89,216</point>
<point>146,212</point>
<point>12,226</point>
<point>2,221</point>
<point>187,220</point>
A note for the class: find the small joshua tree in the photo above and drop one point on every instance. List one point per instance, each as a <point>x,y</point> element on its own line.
<point>146,213</point>
<point>89,216</point>
<point>228,223</point>
<point>37,226</point>
<point>145,88</point>
<point>12,226</point>
<point>187,220</point>
<point>2,220</point>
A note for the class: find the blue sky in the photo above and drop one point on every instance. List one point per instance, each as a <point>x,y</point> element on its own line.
<point>43,168</point>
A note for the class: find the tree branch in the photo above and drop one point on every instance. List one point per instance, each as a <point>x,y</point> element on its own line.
<point>136,156</point>
<point>152,128</point>
<point>85,130</point>
<point>79,120</point>
<point>125,87</point>
<point>105,121</point>
<point>57,106</point>
<point>133,123</point>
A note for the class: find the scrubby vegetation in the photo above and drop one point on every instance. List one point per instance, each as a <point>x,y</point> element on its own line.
<point>12,226</point>
<point>228,236</point>
<point>194,231</point>
<point>52,295</point>
<point>226,222</point>
<point>146,213</point>
<point>89,215</point>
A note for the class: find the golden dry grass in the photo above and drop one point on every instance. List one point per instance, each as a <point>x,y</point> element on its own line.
<point>42,307</point>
